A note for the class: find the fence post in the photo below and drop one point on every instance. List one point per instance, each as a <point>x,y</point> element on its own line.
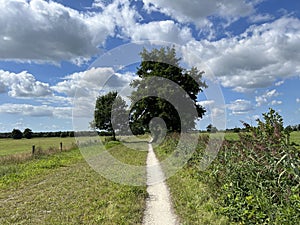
<point>33,149</point>
<point>61,146</point>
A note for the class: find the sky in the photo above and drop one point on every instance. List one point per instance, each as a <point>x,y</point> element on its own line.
<point>56,57</point>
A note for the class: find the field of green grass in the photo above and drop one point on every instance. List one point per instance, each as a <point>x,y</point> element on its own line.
<point>63,189</point>
<point>295,137</point>
<point>11,146</point>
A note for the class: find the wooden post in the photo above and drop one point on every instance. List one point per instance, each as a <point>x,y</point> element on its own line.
<point>33,149</point>
<point>61,146</point>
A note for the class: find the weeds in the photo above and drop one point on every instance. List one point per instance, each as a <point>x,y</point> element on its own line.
<point>257,178</point>
<point>254,180</point>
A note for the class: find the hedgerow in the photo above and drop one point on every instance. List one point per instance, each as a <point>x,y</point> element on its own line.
<point>256,179</point>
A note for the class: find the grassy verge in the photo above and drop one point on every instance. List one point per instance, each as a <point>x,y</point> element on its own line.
<point>193,201</point>
<point>63,189</point>
<point>237,188</point>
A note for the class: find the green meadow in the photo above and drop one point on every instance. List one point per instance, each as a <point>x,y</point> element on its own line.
<point>12,146</point>
<point>63,189</point>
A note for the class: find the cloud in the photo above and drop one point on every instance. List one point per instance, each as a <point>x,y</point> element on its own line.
<point>240,106</point>
<point>81,83</point>
<point>22,85</point>
<point>266,97</point>
<point>36,111</point>
<point>206,103</point>
<point>261,18</point>
<point>255,59</point>
<point>92,81</point>
<point>166,30</point>
<point>217,112</point>
<point>197,12</point>
<point>298,100</point>
<point>276,102</point>
<point>279,83</point>
<point>40,31</point>
<point>130,24</point>
<point>84,88</point>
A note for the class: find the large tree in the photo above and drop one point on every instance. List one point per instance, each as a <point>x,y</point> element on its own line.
<point>110,113</point>
<point>27,133</point>
<point>163,64</point>
<point>16,134</point>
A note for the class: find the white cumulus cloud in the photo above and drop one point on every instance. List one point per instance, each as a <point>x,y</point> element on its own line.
<point>38,30</point>
<point>92,81</point>
<point>197,12</point>
<point>266,98</point>
<point>240,106</point>
<point>23,84</point>
<point>36,110</point>
<point>257,58</point>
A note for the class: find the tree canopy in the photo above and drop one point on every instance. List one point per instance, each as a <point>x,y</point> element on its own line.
<point>110,113</point>
<point>16,134</point>
<point>164,66</point>
<point>172,88</point>
<point>27,133</point>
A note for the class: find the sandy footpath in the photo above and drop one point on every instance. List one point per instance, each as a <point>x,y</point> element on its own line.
<point>159,209</point>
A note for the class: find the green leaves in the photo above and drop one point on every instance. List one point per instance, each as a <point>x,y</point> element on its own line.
<point>164,66</point>
<point>263,180</point>
<point>110,110</point>
<point>257,177</point>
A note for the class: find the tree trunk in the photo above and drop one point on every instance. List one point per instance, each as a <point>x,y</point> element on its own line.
<point>114,135</point>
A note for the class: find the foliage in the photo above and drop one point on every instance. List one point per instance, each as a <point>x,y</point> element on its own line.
<point>163,64</point>
<point>110,113</point>
<point>253,180</point>
<point>257,178</point>
<point>211,129</point>
<point>27,133</point>
<point>16,134</point>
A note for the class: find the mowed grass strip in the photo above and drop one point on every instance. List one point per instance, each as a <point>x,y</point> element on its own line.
<point>12,146</point>
<point>192,199</point>
<point>64,189</point>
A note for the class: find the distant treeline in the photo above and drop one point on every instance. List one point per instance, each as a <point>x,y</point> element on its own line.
<point>61,134</point>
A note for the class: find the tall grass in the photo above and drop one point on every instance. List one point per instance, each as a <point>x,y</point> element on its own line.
<point>255,180</point>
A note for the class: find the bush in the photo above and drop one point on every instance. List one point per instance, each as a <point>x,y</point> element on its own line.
<point>257,177</point>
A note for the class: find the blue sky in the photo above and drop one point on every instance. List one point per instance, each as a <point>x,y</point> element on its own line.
<point>51,52</point>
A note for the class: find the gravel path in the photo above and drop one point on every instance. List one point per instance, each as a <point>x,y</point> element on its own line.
<point>159,209</point>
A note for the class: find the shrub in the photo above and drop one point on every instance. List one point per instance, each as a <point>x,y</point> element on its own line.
<point>257,177</point>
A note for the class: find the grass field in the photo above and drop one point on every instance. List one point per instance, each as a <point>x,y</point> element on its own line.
<point>295,137</point>
<point>11,146</point>
<point>63,189</point>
